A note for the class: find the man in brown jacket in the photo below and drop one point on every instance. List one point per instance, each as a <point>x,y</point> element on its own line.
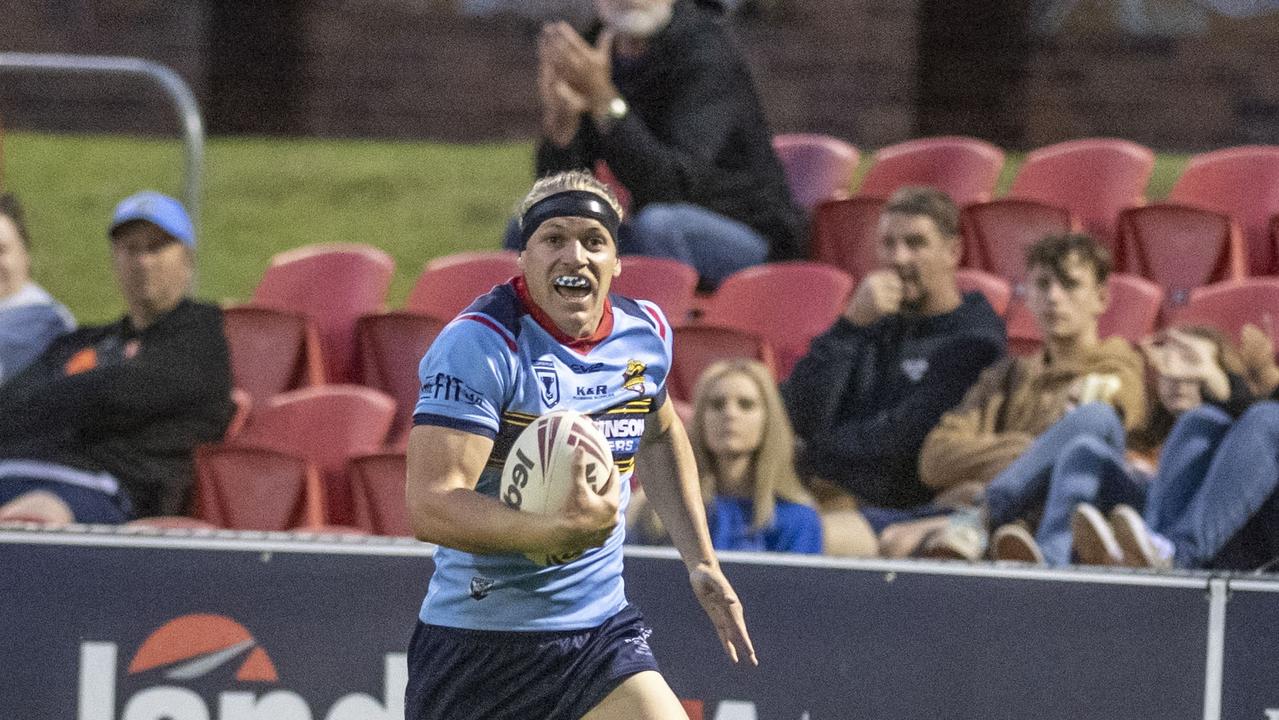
<point>1078,384</point>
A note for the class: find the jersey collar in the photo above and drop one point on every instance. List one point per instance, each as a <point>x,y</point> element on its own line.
<point>580,345</point>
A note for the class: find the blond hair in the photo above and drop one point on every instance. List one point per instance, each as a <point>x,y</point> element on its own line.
<point>564,182</point>
<point>772,469</point>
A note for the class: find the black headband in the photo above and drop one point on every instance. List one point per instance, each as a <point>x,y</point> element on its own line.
<point>570,203</point>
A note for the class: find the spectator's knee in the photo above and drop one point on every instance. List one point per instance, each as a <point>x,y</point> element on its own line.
<point>1261,419</point>
<point>655,230</point>
<point>1084,448</point>
<point>1207,416</point>
<point>1098,420</point>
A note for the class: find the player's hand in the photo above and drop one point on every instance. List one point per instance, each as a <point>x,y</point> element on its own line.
<point>590,513</point>
<point>878,295</point>
<point>724,609</point>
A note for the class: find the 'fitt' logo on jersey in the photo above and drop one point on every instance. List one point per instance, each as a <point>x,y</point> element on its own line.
<point>443,386</point>
<point>633,376</point>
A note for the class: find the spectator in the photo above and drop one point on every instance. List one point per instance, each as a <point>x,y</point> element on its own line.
<point>1215,500</point>
<point>1023,409</point>
<point>1190,366</point>
<point>906,349</point>
<point>30,318</point>
<point>659,92</point>
<point>100,428</point>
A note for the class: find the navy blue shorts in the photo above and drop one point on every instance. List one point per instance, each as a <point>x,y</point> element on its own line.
<point>457,674</point>
<point>87,505</point>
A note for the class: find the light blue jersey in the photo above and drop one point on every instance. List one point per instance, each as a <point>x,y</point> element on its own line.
<point>492,371</point>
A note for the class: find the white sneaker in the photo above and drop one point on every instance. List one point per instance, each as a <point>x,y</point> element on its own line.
<point>1095,542</point>
<point>1142,547</point>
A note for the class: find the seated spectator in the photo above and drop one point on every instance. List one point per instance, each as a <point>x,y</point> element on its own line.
<point>30,318</point>
<point>906,349</point>
<point>1189,366</point>
<point>1025,409</point>
<point>658,91</point>
<point>744,449</point>
<point>100,428</point>
<point>1215,500</point>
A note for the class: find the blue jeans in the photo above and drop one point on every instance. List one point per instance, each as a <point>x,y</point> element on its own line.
<point>715,245</point>
<point>1228,516</point>
<point>1025,482</point>
<point>1088,470</point>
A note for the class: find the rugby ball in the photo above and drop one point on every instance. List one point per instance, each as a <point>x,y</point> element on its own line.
<point>538,474</point>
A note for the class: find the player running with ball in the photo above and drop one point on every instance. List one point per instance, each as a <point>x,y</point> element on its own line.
<point>499,635</point>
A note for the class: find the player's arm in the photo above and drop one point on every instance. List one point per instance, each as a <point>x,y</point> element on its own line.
<point>670,483</point>
<point>444,465</point>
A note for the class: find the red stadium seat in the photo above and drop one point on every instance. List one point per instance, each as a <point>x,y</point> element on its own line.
<point>698,346</point>
<point>604,174</point>
<point>332,285</point>
<point>1229,305</point>
<point>449,284</point>
<point>1093,178</point>
<point>272,350</point>
<point>245,488</point>
<point>845,233</point>
<point>1180,248</point>
<point>997,290</point>
<point>818,167</point>
<point>669,283</point>
<point>377,492</point>
<point>965,168</point>
<point>998,233</point>
<point>391,346</point>
<point>786,303</point>
<point>325,425</point>
<point>1132,314</point>
<point>1242,182</point>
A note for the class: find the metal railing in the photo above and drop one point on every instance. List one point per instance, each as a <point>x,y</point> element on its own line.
<point>168,80</point>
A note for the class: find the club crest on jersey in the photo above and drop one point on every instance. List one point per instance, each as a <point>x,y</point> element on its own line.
<point>914,368</point>
<point>480,587</point>
<point>548,381</point>
<point>633,376</point>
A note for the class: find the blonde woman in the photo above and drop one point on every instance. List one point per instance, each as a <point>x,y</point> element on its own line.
<point>745,451</point>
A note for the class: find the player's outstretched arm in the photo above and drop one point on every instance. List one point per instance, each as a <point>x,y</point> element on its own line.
<point>444,465</point>
<point>670,483</point>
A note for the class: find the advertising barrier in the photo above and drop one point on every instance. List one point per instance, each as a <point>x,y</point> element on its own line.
<point>106,626</point>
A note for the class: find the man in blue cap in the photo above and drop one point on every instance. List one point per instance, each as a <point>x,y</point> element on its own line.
<point>100,428</point>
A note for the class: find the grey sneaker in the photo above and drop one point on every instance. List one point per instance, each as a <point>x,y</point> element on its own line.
<point>1014,543</point>
<point>1095,542</point>
<point>1141,547</point>
<point>963,538</point>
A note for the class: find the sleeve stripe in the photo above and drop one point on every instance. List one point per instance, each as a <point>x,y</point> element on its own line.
<point>491,324</point>
<point>657,319</point>
<point>455,423</point>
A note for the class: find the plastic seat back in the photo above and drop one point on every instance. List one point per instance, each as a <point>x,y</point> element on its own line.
<point>391,346</point>
<point>325,425</point>
<point>786,303</point>
<point>1093,178</point>
<point>245,488</point>
<point>332,284</point>
<point>818,167</point>
<point>377,491</point>
<point>997,290</point>
<point>669,283</point>
<point>699,346</point>
<point>1242,182</point>
<point>1229,306</point>
<point>845,234</point>
<point>998,233</point>
<point>1180,248</point>
<point>449,284</point>
<point>965,168</point>
<point>271,350</point>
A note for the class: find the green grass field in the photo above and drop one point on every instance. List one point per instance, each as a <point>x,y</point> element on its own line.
<point>416,200</point>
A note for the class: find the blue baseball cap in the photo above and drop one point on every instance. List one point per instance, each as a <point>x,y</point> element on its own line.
<point>158,209</point>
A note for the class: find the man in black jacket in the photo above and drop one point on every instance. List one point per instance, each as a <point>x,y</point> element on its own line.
<point>101,427</point>
<point>906,349</point>
<point>662,96</point>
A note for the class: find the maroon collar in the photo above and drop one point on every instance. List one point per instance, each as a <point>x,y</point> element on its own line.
<point>580,345</point>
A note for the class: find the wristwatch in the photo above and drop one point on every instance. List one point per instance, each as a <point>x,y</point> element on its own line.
<point>613,114</point>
